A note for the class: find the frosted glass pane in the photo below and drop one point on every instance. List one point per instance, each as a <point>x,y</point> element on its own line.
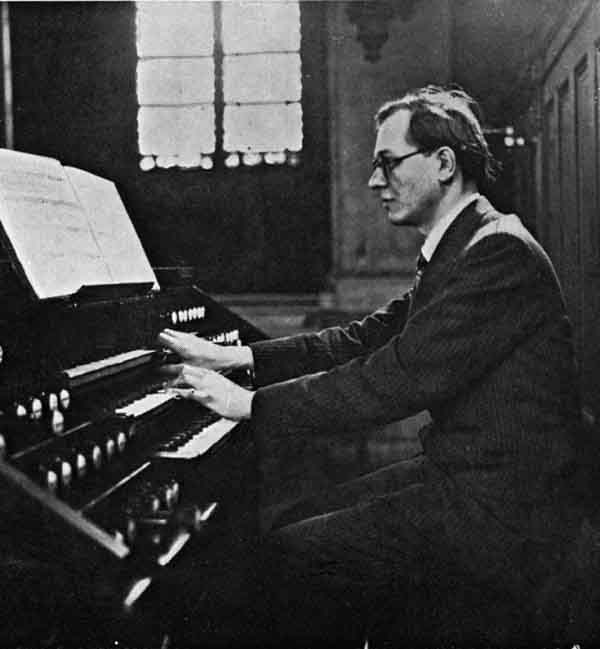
<point>175,28</point>
<point>262,77</point>
<point>176,81</point>
<point>176,131</point>
<point>261,26</point>
<point>266,127</point>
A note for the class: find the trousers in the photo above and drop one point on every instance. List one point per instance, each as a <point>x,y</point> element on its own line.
<point>322,575</point>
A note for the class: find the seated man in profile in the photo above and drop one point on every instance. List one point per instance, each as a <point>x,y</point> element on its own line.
<point>482,342</point>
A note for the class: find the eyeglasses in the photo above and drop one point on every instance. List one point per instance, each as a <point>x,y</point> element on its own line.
<point>388,163</point>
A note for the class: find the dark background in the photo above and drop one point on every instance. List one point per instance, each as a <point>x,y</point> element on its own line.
<point>244,229</point>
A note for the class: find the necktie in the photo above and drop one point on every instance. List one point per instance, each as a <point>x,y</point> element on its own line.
<point>421,263</point>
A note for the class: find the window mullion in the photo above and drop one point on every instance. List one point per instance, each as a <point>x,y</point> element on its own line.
<point>219,93</point>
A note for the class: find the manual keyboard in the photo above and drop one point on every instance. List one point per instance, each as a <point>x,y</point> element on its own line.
<point>197,439</point>
<point>146,404</point>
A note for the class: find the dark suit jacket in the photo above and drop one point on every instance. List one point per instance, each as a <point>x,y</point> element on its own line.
<point>484,345</point>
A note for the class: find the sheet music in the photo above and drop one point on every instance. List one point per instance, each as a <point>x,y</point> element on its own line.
<point>112,228</point>
<point>67,227</point>
<point>47,226</point>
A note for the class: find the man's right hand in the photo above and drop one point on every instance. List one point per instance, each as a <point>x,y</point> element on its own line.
<point>202,353</point>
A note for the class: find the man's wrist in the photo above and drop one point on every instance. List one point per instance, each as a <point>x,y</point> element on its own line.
<point>239,358</point>
<point>247,405</point>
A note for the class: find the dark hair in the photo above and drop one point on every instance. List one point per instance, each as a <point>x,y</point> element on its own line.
<point>447,117</point>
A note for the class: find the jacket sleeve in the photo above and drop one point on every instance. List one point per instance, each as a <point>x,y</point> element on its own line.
<point>498,293</point>
<point>284,358</point>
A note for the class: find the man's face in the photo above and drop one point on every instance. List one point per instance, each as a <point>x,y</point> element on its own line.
<point>408,185</point>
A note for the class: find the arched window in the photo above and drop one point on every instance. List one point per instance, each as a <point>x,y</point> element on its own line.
<point>218,83</point>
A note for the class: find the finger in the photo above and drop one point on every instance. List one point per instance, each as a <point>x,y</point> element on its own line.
<point>192,394</point>
<point>172,370</point>
<point>190,375</point>
<point>178,381</point>
<point>168,357</point>
<point>183,393</point>
<point>195,371</point>
<point>167,341</point>
<point>178,337</point>
<point>172,332</point>
<point>173,336</point>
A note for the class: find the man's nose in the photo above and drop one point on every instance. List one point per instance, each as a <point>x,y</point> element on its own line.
<point>377,178</point>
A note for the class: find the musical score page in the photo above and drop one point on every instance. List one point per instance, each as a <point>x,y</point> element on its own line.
<point>112,228</point>
<point>47,226</point>
<point>67,228</point>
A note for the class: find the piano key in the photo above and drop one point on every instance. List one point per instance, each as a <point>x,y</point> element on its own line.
<point>201,441</point>
<point>148,403</point>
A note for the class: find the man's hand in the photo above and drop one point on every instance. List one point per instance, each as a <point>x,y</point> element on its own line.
<point>211,389</point>
<point>199,352</point>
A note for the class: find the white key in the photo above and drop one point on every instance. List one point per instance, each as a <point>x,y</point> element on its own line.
<point>146,404</point>
<point>201,441</point>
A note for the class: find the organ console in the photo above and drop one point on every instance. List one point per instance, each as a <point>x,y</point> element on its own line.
<point>102,472</point>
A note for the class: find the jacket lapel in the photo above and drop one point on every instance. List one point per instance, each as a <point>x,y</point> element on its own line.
<point>448,250</point>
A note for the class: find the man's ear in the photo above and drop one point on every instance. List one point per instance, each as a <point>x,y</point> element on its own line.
<point>447,164</point>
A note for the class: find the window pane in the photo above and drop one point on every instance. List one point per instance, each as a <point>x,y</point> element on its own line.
<point>176,131</point>
<point>261,26</point>
<point>267,127</point>
<point>174,28</point>
<point>262,77</point>
<point>176,81</point>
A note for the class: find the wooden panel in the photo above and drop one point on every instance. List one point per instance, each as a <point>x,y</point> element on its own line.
<point>551,196</point>
<point>586,158</point>
<point>564,179</point>
<point>568,218</point>
<point>571,182</point>
<point>586,207</point>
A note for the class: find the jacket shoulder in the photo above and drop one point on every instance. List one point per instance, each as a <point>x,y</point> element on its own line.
<point>507,230</point>
<point>494,223</point>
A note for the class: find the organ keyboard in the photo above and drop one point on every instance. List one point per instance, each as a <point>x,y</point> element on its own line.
<point>104,478</point>
<point>193,443</point>
<point>101,470</point>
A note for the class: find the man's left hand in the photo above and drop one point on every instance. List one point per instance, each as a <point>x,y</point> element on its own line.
<point>211,389</point>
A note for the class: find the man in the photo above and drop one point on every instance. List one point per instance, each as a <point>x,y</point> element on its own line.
<point>483,343</point>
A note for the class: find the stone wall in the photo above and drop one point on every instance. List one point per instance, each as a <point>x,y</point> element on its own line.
<point>371,260</point>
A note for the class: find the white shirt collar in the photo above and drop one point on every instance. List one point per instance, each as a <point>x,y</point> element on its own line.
<point>439,229</point>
